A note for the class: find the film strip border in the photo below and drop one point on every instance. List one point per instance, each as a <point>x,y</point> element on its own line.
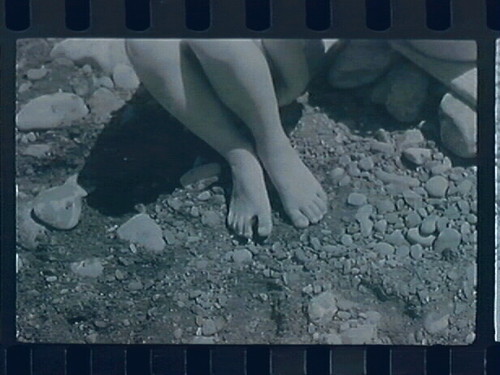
<point>304,18</point>
<point>80,360</point>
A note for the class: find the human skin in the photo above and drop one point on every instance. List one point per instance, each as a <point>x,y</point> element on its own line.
<point>212,86</point>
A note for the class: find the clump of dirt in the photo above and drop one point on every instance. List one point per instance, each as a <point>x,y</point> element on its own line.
<point>393,261</point>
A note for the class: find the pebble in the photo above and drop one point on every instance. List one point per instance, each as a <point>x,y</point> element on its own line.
<point>428,225</point>
<point>346,240</point>
<point>465,187</point>
<point>210,219</point>
<point>322,308</point>
<point>448,239</point>
<point>37,74</point>
<point>416,251</point>
<point>103,103</point>
<point>204,196</point>
<point>403,251</point>
<point>209,327</point>
<point>396,238</point>
<point>391,178</point>
<point>92,268</point>
<point>411,137</point>
<point>174,203</point>
<point>135,285</point>
<point>412,199</point>
<point>37,150</point>
<point>169,237</point>
<point>336,174</point>
<point>435,322</point>
<point>51,111</point>
<point>202,176</point>
<point>144,231</point>
<point>442,167</point>
<point>60,207</point>
<point>415,237</point>
<point>385,205</point>
<point>125,78</point>
<point>366,163</point>
<point>242,256</point>
<point>442,223</point>
<point>417,156</point>
<point>384,248</point>
<point>436,186</point>
<point>458,126</point>
<point>356,199</point>
<point>413,219</point>
<point>380,226</point>
<point>25,86</point>
<point>363,334</point>
<point>383,147</point>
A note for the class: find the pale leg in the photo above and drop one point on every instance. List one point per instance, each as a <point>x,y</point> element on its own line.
<point>172,75</point>
<point>240,75</point>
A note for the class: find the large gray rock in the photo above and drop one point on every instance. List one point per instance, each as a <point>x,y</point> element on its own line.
<point>142,230</point>
<point>51,111</point>
<point>322,308</point>
<point>458,126</point>
<point>360,62</point>
<point>407,92</point>
<point>60,207</point>
<point>104,53</point>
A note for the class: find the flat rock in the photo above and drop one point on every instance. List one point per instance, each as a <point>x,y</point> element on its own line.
<point>384,248</point>
<point>416,155</point>
<point>363,334</point>
<point>322,308</point>
<point>125,78</point>
<point>51,111</point>
<point>92,268</point>
<point>143,231</point>
<point>211,219</point>
<point>407,92</point>
<point>448,239</point>
<point>37,74</point>
<point>37,150</point>
<point>103,103</point>
<point>458,126</point>
<point>356,199</point>
<point>436,186</point>
<point>242,256</point>
<point>60,207</point>
<point>360,62</point>
<point>436,322</point>
<point>202,176</point>
<point>104,53</point>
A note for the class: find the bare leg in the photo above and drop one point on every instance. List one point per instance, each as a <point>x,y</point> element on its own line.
<point>241,77</point>
<point>170,72</point>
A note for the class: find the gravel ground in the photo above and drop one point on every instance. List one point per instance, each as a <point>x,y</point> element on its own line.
<point>393,262</point>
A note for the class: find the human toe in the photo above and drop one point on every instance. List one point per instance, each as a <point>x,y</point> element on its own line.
<point>265,225</point>
<point>298,218</point>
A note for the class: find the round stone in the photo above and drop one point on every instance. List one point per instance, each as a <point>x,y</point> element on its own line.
<point>436,186</point>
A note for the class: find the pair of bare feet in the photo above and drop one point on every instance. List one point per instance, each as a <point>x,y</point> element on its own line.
<point>302,196</point>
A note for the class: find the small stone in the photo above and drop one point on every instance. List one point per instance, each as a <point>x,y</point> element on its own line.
<point>143,231</point>
<point>92,268</point>
<point>396,238</point>
<point>337,174</point>
<point>322,308</point>
<point>177,333</point>
<point>209,327</point>
<point>51,279</point>
<point>37,150</point>
<point>391,178</point>
<point>363,334</point>
<point>428,226</point>
<point>385,205</point>
<point>458,126</point>
<point>51,111</point>
<point>242,256</point>
<point>413,219</point>
<point>37,74</point>
<point>125,78</point>
<point>436,186</point>
<point>204,196</point>
<point>366,163</point>
<point>135,285</point>
<point>384,248</point>
<point>103,103</point>
<point>412,137</point>
<point>435,322</point>
<point>416,251</point>
<point>175,203</point>
<point>417,156</point>
<point>23,87</point>
<point>169,237</point>
<point>60,207</point>
<point>448,239</point>
<point>380,226</point>
<point>356,199</point>
<point>210,219</point>
<point>119,275</point>
<point>415,237</point>
<point>346,240</point>
<point>403,251</point>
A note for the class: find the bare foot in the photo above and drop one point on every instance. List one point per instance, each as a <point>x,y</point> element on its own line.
<point>249,199</point>
<point>303,198</point>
